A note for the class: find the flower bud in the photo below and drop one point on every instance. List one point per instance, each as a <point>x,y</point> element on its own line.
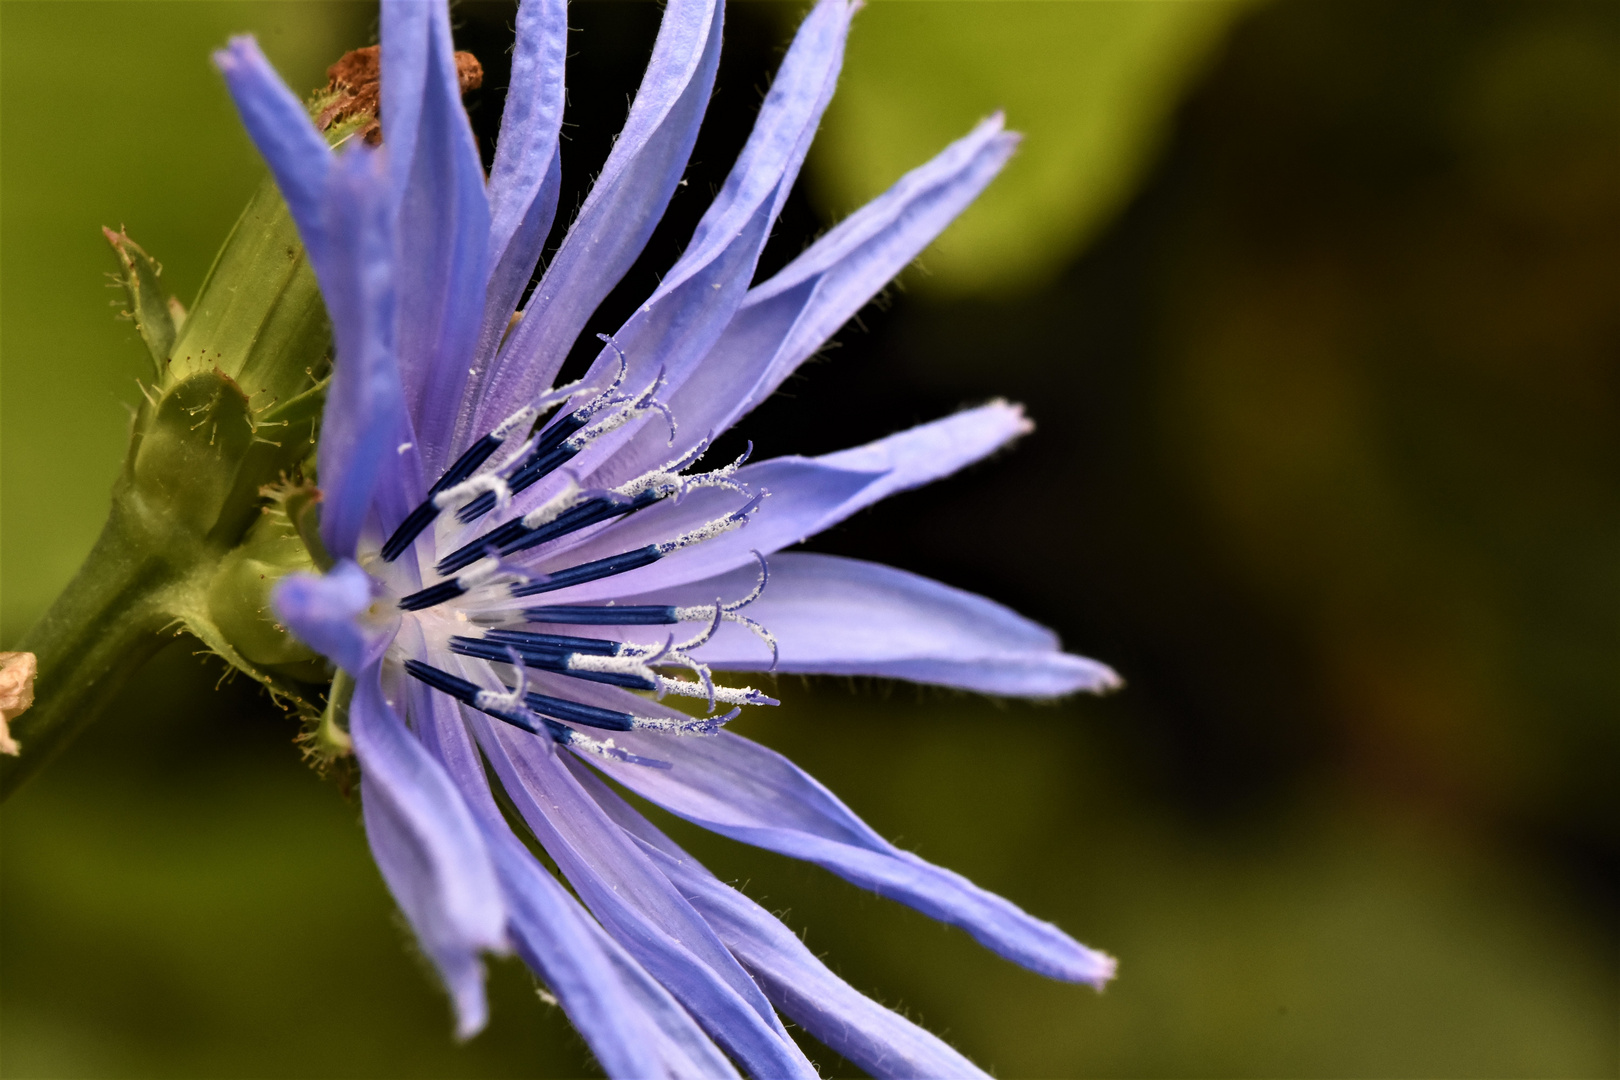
<point>239,597</point>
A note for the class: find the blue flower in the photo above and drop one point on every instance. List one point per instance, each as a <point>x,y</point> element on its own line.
<point>523,573</point>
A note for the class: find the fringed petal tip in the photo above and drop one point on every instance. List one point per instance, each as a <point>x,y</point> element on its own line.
<point>464,981</point>
<point>1100,970</point>
<point>1084,676</point>
<point>1016,418</point>
<point>239,51</point>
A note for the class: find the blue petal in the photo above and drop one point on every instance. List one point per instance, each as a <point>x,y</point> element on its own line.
<point>638,905</point>
<point>429,849</point>
<point>443,220</point>
<point>882,1042</point>
<point>621,211</point>
<point>344,215</point>
<point>742,790</point>
<point>631,1023</point>
<point>324,613</point>
<point>838,616</point>
<point>785,320</point>
<point>281,128</point>
<point>524,182</point>
<point>781,135</point>
<point>686,314</point>
<point>806,496</point>
<point>365,431</point>
<point>406,32</point>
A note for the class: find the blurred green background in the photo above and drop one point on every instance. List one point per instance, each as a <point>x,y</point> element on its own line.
<point>1315,305</point>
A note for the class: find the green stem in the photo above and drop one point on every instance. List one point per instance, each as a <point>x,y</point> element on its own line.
<point>101,629</point>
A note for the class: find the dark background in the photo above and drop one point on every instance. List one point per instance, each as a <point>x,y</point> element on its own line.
<point>1325,466</point>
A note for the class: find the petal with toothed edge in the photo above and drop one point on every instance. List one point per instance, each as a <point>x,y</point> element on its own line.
<point>442,228</point>
<point>632,1024</point>
<point>837,616</point>
<point>638,905</point>
<point>429,849</point>
<point>619,214</point>
<point>742,790</point>
<point>880,1041</point>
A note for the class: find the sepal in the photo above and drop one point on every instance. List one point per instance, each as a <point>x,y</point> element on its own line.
<point>239,596</point>
<point>259,317</point>
<point>157,319</point>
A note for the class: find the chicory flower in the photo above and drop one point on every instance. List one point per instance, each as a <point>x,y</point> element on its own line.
<point>520,574</point>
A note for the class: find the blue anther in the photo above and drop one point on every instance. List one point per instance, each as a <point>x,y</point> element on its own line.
<point>595,646</point>
<point>592,615</point>
<point>546,660</point>
<point>501,653</point>
<point>513,537</point>
<point>467,693</point>
<point>409,530</point>
<point>443,681</point>
<point>557,708</point>
<point>468,554</point>
<point>433,595</point>
<point>582,516</point>
<point>424,515</point>
<point>592,571</point>
<point>548,455</point>
<point>575,713</point>
<point>467,464</point>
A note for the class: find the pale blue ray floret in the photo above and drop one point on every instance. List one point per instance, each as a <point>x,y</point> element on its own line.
<point>522,571</point>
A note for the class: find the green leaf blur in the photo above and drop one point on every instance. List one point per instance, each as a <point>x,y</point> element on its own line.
<point>1090,84</point>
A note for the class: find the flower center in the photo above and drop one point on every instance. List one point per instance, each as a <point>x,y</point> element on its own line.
<point>498,643</point>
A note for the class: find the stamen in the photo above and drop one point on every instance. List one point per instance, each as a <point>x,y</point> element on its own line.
<point>632,675</point>
<point>628,671</point>
<point>604,615</point>
<point>432,596</point>
<point>726,695</point>
<point>511,699</point>
<point>469,694</point>
<point>703,638</point>
<point>633,560</point>
<point>502,535</point>
<point>759,631</point>
<point>558,444</point>
<point>491,570</point>
<point>493,482</point>
<point>605,748</point>
<point>516,536</point>
<point>463,469</point>
<point>552,450</point>
<point>557,642</point>
<point>420,518</point>
<point>611,720</point>
<point>592,571</point>
<point>759,586</point>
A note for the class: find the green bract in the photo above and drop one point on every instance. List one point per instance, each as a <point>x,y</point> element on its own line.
<point>213,504</point>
